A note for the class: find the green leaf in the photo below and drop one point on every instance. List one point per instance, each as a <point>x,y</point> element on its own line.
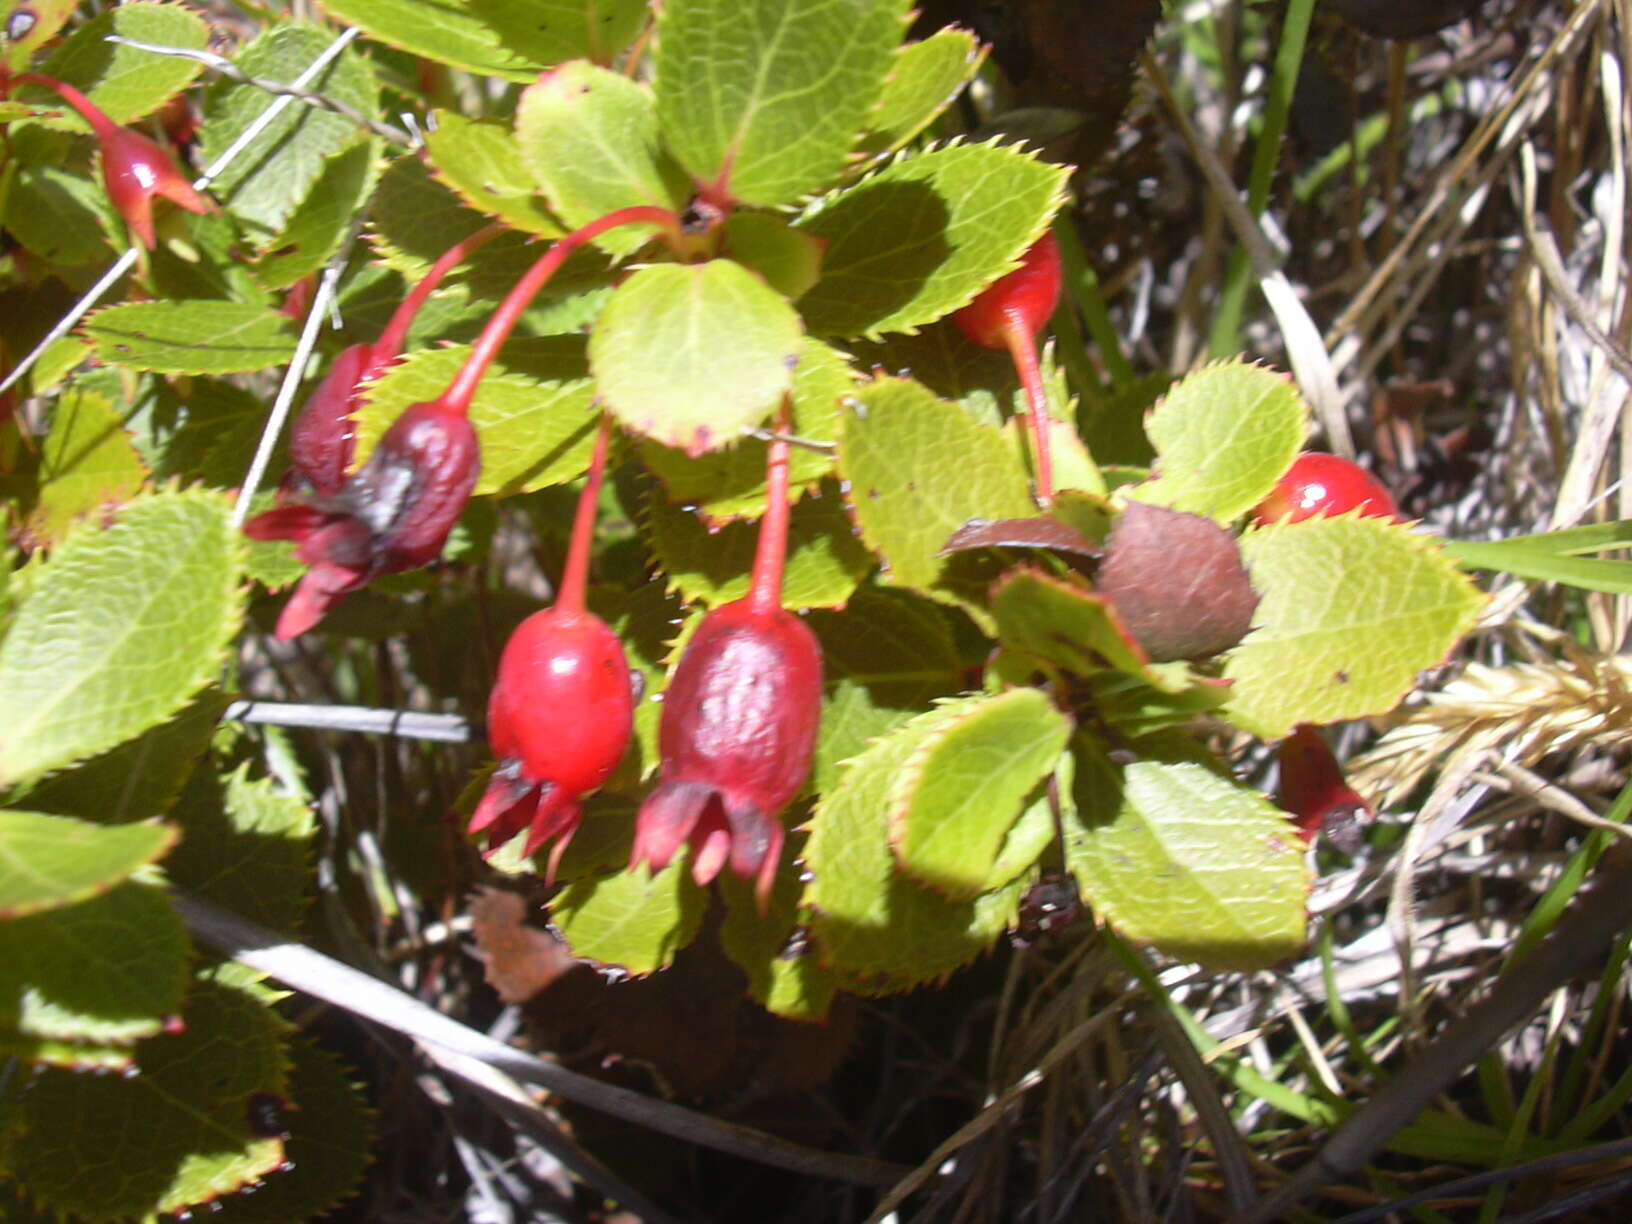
<point>479,159</point>
<point>533,410</point>
<point>549,31</point>
<point>781,979</point>
<point>761,100</point>
<point>885,656</point>
<point>589,137</point>
<point>416,219</point>
<point>104,1148</point>
<point>124,626</point>
<point>730,483</point>
<point>244,846</point>
<point>825,562</point>
<point>331,1130</point>
<point>693,354</point>
<point>1059,624</point>
<point>323,220</point>
<point>789,260</point>
<point>104,971</point>
<point>981,380</point>
<point>58,215</point>
<point>87,463</point>
<point>269,180</point>
<point>1170,854</point>
<point>924,236</point>
<point>191,337</point>
<point>918,469</point>
<point>1352,610</point>
<point>925,78</point>
<point>632,920</point>
<point>51,861</point>
<point>960,792</point>
<point>444,31</point>
<point>1223,436</point>
<point>140,778</point>
<point>874,927</point>
<point>124,82</point>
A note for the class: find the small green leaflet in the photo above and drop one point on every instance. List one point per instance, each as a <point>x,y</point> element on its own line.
<point>1352,609</point>
<point>443,31</point>
<point>1172,855</point>
<point>478,158</point>
<point>105,1148</point>
<point>1223,436</point>
<point>959,793</point>
<point>549,31</point>
<point>88,463</point>
<point>784,982</point>
<point>924,235</point>
<point>162,589</point>
<point>320,222</point>
<point>50,861</point>
<point>106,971</point>
<point>262,188</point>
<point>729,345</point>
<point>925,78</point>
<point>631,920</point>
<point>191,337</point>
<point>124,82</point>
<point>589,137</point>
<point>918,469</point>
<point>825,561</point>
<point>761,100</point>
<point>879,931</point>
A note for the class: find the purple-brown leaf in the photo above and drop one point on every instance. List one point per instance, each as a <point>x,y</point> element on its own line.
<point>1177,582</point>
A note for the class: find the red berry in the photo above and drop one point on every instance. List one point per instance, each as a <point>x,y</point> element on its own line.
<point>738,729</point>
<point>558,719</point>
<point>325,432</point>
<point>1313,792</point>
<point>1317,485</point>
<point>393,515</point>
<point>1025,298</point>
<point>1008,314</point>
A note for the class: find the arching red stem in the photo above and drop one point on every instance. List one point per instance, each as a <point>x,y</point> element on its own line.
<point>88,110</point>
<point>463,388</point>
<point>575,578</point>
<point>1023,351</point>
<point>765,592</point>
<point>391,339</point>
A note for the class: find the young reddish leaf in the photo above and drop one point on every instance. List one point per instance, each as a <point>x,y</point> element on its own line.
<point>1045,533</point>
<point>1177,582</point>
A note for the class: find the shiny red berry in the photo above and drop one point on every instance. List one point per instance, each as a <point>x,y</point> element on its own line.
<point>1008,314</point>
<point>558,719</point>
<point>1317,485</point>
<point>1023,299</point>
<point>739,726</point>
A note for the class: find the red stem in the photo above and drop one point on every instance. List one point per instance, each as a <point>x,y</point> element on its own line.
<point>391,339</point>
<point>765,589</point>
<point>1023,351</point>
<point>88,110</point>
<point>463,388</point>
<point>575,578</point>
